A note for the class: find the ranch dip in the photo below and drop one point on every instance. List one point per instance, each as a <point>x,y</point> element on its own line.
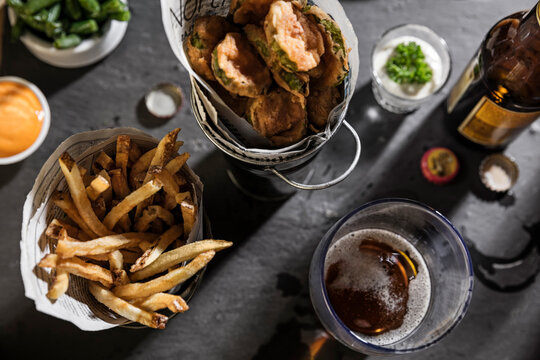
<point>408,91</point>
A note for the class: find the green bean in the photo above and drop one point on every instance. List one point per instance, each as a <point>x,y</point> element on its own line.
<point>73,9</point>
<point>113,6</point>
<point>121,16</point>
<point>33,6</point>
<point>54,13</point>
<point>16,5</point>
<point>92,6</point>
<point>42,15</point>
<point>84,27</point>
<point>33,23</point>
<point>67,41</point>
<point>53,29</point>
<point>17,29</point>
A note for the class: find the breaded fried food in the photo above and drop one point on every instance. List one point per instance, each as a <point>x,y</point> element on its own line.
<point>279,116</point>
<point>238,104</point>
<point>237,67</point>
<point>295,41</point>
<point>319,104</point>
<point>207,32</point>
<point>253,11</point>
<point>296,83</point>
<point>334,64</point>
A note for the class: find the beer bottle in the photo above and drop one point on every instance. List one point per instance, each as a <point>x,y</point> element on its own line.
<point>498,94</point>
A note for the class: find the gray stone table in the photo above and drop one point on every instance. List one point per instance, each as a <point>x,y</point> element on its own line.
<point>253,303</point>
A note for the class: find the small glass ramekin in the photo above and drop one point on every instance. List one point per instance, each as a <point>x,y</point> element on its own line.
<point>446,256</point>
<point>391,101</point>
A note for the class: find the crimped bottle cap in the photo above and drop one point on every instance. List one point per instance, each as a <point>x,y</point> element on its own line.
<point>498,172</point>
<point>439,165</point>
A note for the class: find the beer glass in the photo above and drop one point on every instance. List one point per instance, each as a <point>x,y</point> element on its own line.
<point>446,257</point>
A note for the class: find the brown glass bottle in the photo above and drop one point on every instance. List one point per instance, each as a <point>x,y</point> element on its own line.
<point>498,94</point>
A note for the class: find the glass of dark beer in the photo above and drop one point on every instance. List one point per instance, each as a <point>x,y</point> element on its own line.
<point>393,276</point>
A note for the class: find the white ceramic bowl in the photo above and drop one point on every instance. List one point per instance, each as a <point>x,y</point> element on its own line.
<point>89,51</point>
<point>44,127</point>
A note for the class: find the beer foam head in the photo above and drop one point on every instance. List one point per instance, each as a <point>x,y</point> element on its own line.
<point>363,273</point>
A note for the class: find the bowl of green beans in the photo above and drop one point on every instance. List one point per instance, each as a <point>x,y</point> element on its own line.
<point>69,33</point>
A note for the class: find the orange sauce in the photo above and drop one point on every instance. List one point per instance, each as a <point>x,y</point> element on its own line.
<point>21,118</point>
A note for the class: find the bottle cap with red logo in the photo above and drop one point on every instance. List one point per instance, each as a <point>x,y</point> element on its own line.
<point>439,165</point>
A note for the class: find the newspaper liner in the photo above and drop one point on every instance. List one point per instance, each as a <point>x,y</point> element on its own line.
<point>178,17</point>
<point>78,306</point>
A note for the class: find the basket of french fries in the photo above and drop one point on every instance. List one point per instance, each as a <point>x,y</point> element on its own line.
<point>112,231</point>
<point>271,79</point>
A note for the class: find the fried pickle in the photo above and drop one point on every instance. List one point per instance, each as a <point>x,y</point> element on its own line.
<point>207,32</point>
<point>319,104</point>
<point>296,41</point>
<point>296,83</point>
<point>238,104</point>
<point>279,116</point>
<point>237,67</point>
<point>253,11</point>
<point>334,64</point>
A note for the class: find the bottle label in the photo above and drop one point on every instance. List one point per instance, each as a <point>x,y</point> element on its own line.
<point>470,74</point>
<point>491,125</point>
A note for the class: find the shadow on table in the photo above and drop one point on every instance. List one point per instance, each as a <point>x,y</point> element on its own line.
<point>233,215</point>
<point>31,334</point>
<point>49,79</point>
<point>7,172</point>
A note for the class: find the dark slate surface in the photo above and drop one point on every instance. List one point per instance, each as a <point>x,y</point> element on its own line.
<point>253,303</point>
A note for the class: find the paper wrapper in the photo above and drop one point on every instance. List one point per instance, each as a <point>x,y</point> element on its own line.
<point>77,305</point>
<point>178,18</point>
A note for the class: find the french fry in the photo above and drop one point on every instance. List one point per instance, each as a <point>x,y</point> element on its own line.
<point>179,255</point>
<point>130,202</point>
<point>124,223</point>
<point>107,194</point>
<point>69,247</point>
<point>164,151</point>
<point>64,202</point>
<point>99,207</point>
<point>160,301</point>
<point>53,230</point>
<point>87,178</point>
<point>165,282</point>
<point>129,256</point>
<point>189,214</point>
<point>78,267</point>
<point>143,163</point>
<point>134,153</point>
<point>177,163</point>
<point>119,183</point>
<point>123,144</point>
<point>60,284</point>
<point>78,193</point>
<point>125,309</point>
<point>152,213</point>
<point>116,265</point>
<point>97,187</point>
<point>169,185</point>
<point>186,195</point>
<point>173,233</point>
<point>102,162</point>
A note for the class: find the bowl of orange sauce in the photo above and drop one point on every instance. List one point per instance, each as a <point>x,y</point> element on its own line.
<point>25,118</point>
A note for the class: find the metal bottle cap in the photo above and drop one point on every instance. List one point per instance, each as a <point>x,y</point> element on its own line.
<point>439,165</point>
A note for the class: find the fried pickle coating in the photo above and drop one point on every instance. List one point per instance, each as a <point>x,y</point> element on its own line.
<point>238,104</point>
<point>296,41</point>
<point>253,11</point>
<point>237,67</point>
<point>319,104</point>
<point>279,116</point>
<point>334,65</point>
<point>207,32</point>
<point>296,83</point>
